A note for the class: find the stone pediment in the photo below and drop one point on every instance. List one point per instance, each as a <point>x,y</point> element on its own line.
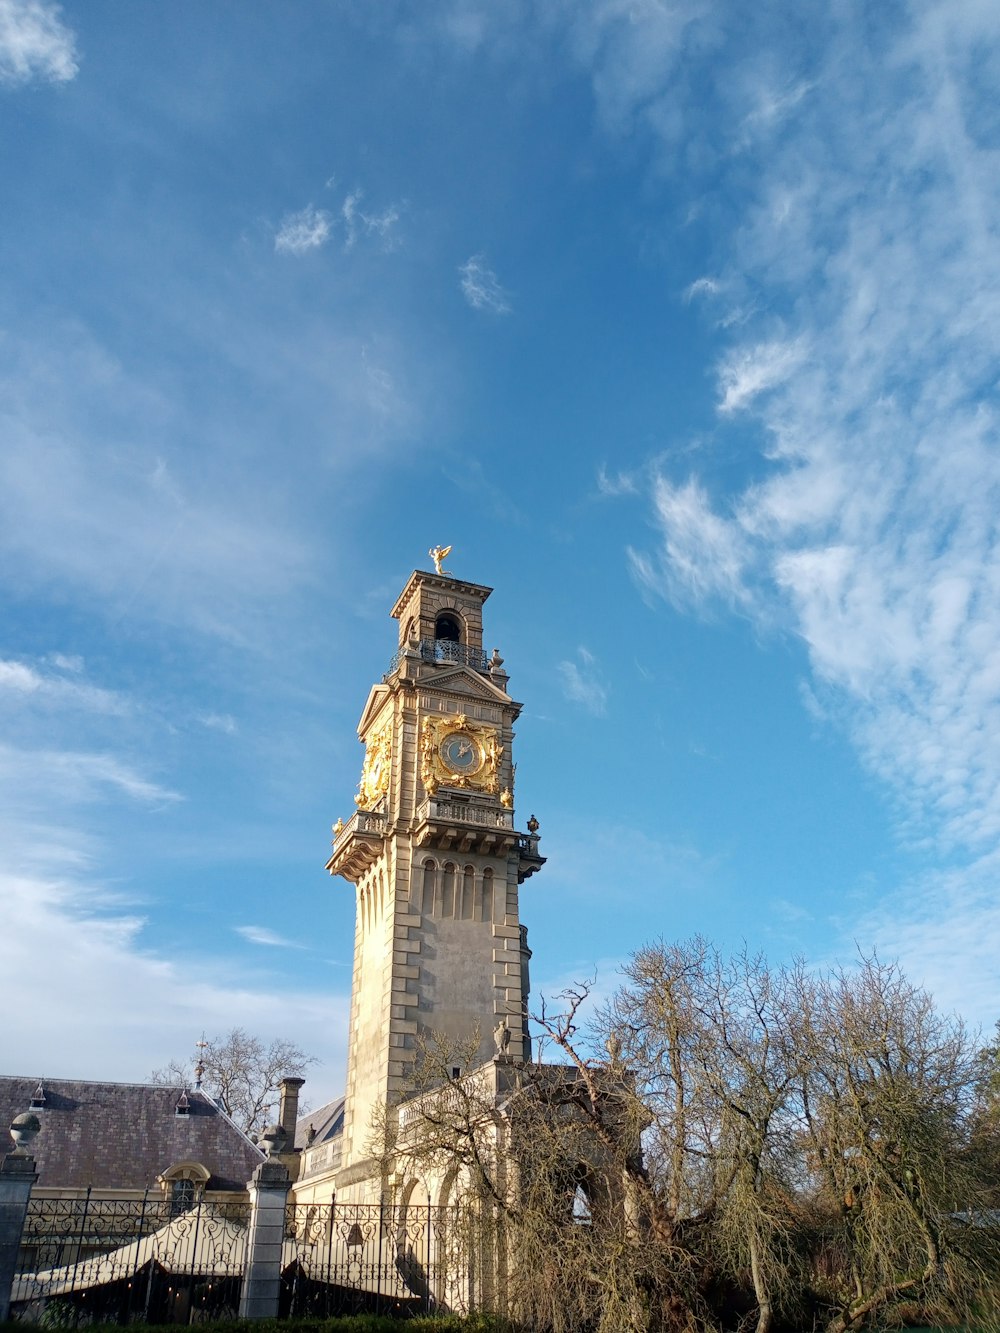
<point>376,698</point>
<point>462,680</point>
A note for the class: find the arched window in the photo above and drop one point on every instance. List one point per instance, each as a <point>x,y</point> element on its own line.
<point>485,896</point>
<point>426,902</point>
<point>447,626</point>
<point>182,1185</point>
<point>182,1194</point>
<point>448,891</point>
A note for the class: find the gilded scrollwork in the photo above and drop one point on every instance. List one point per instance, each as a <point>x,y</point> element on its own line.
<point>375,775</point>
<point>457,752</point>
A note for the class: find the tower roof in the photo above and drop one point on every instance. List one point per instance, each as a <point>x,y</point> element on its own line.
<point>441,582</point>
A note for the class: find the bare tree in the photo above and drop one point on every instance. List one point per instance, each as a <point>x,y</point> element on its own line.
<point>886,1100</point>
<point>729,1141</point>
<point>713,1046</point>
<point>242,1074</point>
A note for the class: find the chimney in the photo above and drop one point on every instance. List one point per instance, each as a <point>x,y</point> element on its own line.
<point>288,1108</point>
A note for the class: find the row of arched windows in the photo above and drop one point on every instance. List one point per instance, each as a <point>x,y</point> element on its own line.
<point>452,891</point>
<point>371,900</point>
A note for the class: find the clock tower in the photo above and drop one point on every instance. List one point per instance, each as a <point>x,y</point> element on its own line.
<point>432,850</point>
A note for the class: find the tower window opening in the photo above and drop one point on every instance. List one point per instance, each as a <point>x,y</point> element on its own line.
<point>447,627</point>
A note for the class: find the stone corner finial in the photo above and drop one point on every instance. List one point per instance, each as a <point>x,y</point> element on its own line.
<point>23,1129</point>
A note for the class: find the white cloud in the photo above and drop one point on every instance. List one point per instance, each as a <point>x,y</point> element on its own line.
<point>748,372</point>
<point>702,287</point>
<point>56,776</point>
<point>87,502</point>
<point>25,682</point>
<point>944,928</point>
<point>70,945</point>
<point>583,683</point>
<point>621,483</point>
<point>357,222</point>
<point>481,288</point>
<point>35,43</point>
<point>300,232</point>
<point>69,952</point>
<point>66,662</point>
<point>704,555</point>
<point>771,108</point>
<point>219,722</point>
<point>873,247</point>
<point>262,935</point>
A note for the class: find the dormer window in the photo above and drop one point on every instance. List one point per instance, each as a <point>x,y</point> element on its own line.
<point>183,1185</point>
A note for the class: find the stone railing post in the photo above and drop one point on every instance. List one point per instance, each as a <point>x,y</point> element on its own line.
<point>17,1175</point>
<point>268,1186</point>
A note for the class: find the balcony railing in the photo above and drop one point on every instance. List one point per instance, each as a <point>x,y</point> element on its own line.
<point>357,843</point>
<point>464,812</point>
<point>362,821</point>
<point>446,651</point>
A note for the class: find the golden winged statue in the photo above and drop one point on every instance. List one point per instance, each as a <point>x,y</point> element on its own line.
<point>438,554</point>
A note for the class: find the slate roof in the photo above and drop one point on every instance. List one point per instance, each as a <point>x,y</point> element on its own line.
<point>327,1121</point>
<point>123,1135</point>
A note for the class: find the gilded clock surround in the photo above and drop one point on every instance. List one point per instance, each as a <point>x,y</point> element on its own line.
<point>375,774</point>
<point>441,741</point>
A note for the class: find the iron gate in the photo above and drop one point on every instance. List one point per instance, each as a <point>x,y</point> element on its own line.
<point>83,1260</point>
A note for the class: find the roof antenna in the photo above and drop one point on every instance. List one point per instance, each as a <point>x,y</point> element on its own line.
<point>199,1069</point>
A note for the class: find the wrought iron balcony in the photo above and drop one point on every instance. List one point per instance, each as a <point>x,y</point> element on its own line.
<point>446,652</point>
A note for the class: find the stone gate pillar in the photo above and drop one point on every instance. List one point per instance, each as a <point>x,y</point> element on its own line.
<point>17,1175</point>
<point>268,1186</point>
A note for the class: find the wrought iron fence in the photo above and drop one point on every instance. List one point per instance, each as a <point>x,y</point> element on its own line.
<point>396,1259</point>
<point>83,1260</point>
<point>90,1260</point>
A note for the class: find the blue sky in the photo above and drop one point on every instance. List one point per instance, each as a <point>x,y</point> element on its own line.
<point>680,322</point>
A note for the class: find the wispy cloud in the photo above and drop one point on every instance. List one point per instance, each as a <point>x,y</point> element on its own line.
<point>24,682</point>
<point>85,501</point>
<point>872,528</point>
<point>702,287</point>
<point>583,683</point>
<point>772,106</point>
<point>270,938</point>
<point>219,722</point>
<point>357,222</point>
<point>76,776</point>
<point>35,43</point>
<point>76,946</point>
<point>747,372</point>
<point>704,554</point>
<point>618,483</point>
<point>481,288</point>
<point>300,232</point>
<point>155,1005</point>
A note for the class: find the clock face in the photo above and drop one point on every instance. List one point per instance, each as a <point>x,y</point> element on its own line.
<point>461,753</point>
